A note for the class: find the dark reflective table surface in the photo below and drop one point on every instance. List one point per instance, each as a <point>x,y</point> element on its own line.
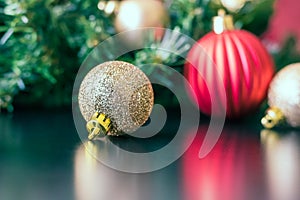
<point>42,157</point>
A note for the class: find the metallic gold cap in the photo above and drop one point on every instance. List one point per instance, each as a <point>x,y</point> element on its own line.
<point>273,117</point>
<point>222,22</point>
<point>99,125</point>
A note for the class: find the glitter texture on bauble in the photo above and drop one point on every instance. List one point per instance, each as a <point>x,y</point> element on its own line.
<point>119,90</point>
<point>284,98</point>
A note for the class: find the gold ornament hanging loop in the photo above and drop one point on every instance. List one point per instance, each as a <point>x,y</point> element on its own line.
<point>273,117</point>
<point>99,125</point>
<point>222,22</point>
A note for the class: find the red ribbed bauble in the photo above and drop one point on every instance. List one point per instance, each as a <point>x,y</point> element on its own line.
<point>231,59</point>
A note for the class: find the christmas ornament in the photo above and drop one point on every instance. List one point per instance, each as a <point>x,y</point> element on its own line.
<point>135,14</point>
<point>284,98</point>
<point>115,98</point>
<point>233,59</point>
<point>233,5</point>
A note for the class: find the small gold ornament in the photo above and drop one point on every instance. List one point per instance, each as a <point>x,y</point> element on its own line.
<point>233,5</point>
<point>284,98</point>
<point>133,14</point>
<point>136,14</point>
<point>115,98</point>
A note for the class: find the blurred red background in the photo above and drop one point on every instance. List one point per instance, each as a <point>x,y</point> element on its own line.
<point>284,22</point>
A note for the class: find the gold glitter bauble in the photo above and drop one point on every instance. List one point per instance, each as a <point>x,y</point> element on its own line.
<point>121,92</point>
<point>284,97</point>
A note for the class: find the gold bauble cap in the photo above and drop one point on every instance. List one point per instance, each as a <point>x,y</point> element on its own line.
<point>222,22</point>
<point>273,117</point>
<point>99,125</point>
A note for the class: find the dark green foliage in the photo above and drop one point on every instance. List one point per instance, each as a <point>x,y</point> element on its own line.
<point>288,54</point>
<point>42,46</point>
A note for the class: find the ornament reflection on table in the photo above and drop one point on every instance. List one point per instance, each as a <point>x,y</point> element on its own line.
<point>227,173</point>
<point>95,181</point>
<point>234,59</point>
<point>282,160</point>
<point>115,98</point>
<point>284,98</point>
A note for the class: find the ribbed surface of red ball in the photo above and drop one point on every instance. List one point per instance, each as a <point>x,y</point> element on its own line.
<point>235,60</point>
